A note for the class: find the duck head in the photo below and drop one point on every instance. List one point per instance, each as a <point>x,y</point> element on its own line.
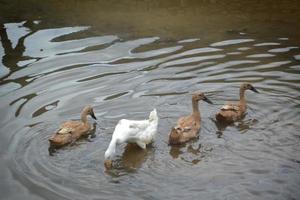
<point>109,153</point>
<point>200,96</point>
<point>248,86</point>
<point>108,164</point>
<point>153,115</point>
<point>88,110</point>
<point>108,161</point>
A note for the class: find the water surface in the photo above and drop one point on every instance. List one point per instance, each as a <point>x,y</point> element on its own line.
<point>129,57</point>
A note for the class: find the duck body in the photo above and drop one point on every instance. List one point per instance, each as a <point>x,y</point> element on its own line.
<point>133,131</point>
<point>71,130</point>
<point>232,112</point>
<point>188,127</point>
<point>140,132</point>
<point>235,111</point>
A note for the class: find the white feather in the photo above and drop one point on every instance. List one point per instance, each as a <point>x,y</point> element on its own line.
<point>230,107</point>
<point>133,131</point>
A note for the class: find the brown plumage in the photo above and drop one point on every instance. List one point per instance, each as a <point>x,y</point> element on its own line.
<point>70,131</point>
<point>235,111</point>
<point>188,127</point>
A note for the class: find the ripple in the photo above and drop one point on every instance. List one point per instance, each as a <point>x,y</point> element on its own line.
<point>111,54</point>
<point>188,40</point>
<point>115,96</point>
<point>8,87</point>
<point>15,31</point>
<point>264,55</point>
<point>126,78</point>
<point>44,46</point>
<point>4,71</point>
<point>100,76</point>
<point>282,50</point>
<point>272,65</point>
<point>231,42</point>
<point>267,44</point>
<point>243,48</point>
<point>190,60</point>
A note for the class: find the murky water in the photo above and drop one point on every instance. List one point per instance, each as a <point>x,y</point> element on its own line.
<point>154,56</point>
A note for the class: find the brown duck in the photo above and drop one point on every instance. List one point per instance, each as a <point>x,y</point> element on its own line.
<point>235,111</point>
<point>70,131</point>
<point>188,127</point>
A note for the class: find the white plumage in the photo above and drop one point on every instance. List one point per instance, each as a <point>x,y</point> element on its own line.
<point>133,131</point>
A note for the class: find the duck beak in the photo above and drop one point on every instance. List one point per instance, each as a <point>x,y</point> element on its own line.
<point>93,115</point>
<point>207,100</point>
<point>253,89</point>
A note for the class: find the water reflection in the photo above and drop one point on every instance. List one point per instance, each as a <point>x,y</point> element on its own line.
<point>242,126</point>
<point>133,156</point>
<point>189,153</point>
<point>12,40</point>
<point>130,161</point>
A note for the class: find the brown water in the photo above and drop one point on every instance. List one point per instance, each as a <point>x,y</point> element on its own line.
<point>125,58</point>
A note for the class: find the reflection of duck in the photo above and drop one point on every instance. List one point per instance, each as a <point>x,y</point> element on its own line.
<point>176,150</point>
<point>236,111</point>
<point>242,126</point>
<point>133,156</point>
<point>191,155</point>
<point>132,131</point>
<point>188,127</point>
<point>70,131</point>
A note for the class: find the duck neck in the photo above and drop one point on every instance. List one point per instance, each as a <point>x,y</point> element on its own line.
<point>84,117</point>
<point>195,105</point>
<point>111,149</point>
<point>242,95</point>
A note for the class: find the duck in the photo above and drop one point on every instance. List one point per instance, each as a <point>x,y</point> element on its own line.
<point>232,112</point>
<point>71,130</point>
<point>139,132</point>
<point>188,127</point>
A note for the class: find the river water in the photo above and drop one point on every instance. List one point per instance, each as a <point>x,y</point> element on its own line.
<point>126,58</point>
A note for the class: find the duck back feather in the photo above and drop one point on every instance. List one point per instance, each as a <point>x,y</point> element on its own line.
<point>141,132</point>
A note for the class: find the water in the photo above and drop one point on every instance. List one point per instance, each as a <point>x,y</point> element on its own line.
<point>125,64</point>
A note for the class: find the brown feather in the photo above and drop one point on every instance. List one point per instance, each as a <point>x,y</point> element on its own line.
<point>187,128</point>
<point>235,111</point>
<point>71,130</point>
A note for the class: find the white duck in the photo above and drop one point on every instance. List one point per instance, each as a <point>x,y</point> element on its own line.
<point>132,131</point>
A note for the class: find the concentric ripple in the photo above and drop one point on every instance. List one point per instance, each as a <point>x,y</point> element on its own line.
<point>257,157</point>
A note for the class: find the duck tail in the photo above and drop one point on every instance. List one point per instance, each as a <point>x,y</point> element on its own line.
<point>220,117</point>
<point>174,136</point>
<point>153,115</point>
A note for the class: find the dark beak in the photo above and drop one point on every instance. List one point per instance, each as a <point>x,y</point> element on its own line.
<point>93,115</point>
<point>254,90</point>
<point>207,100</point>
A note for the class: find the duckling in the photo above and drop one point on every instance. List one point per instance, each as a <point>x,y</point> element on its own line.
<point>235,111</point>
<point>70,131</point>
<point>188,127</point>
<point>132,131</point>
